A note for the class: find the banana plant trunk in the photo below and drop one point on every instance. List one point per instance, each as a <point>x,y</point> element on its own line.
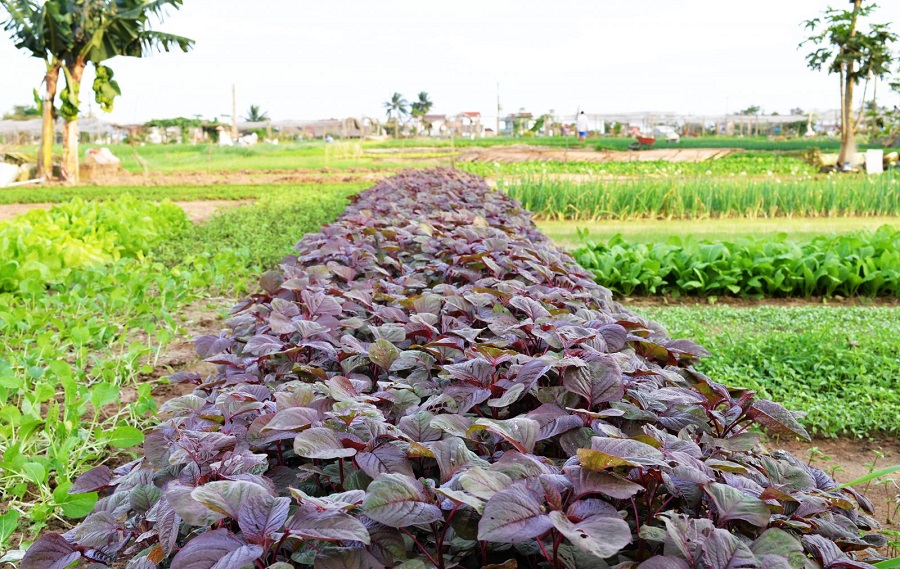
<point>70,129</point>
<point>48,132</point>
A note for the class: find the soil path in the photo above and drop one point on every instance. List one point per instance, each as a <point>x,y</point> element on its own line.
<point>526,153</point>
<point>848,459</point>
<point>196,211</point>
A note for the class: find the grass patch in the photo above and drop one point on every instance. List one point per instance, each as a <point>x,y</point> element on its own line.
<point>571,234</point>
<point>261,234</point>
<point>839,365</point>
<point>59,194</point>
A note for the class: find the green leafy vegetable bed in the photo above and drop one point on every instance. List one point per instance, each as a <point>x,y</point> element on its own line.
<point>837,364</point>
<point>43,247</point>
<point>863,263</point>
<point>71,343</point>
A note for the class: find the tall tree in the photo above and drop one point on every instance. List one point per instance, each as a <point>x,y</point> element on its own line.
<point>22,113</point>
<point>421,107</point>
<point>101,30</point>
<point>397,108</point>
<point>854,52</point>
<point>44,31</point>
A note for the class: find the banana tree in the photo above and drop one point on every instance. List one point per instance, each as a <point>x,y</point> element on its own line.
<point>44,31</point>
<point>101,30</point>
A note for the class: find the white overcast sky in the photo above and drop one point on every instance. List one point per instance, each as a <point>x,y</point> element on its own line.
<point>334,58</point>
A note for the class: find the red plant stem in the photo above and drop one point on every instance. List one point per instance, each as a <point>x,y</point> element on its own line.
<point>546,555</point>
<point>281,541</point>
<point>556,543</point>
<point>440,542</point>
<point>637,521</point>
<point>421,547</point>
<point>280,455</point>
<point>664,504</point>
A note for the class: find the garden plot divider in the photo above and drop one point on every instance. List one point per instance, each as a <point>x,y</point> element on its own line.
<point>429,382</point>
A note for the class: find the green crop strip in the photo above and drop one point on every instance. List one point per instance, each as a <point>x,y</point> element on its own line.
<point>755,164</point>
<point>862,263</point>
<point>839,365</point>
<point>73,344</point>
<point>693,198</point>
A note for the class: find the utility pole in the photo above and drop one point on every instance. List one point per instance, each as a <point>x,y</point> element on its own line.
<point>499,108</point>
<point>234,129</point>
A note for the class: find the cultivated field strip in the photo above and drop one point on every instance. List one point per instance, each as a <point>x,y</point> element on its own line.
<point>698,198</point>
<point>430,380</point>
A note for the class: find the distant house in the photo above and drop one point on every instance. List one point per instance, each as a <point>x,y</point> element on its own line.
<point>470,124</point>
<point>434,125</point>
<point>515,124</point>
<point>346,128</point>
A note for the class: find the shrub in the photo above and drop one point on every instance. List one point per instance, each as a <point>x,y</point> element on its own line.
<point>430,383</point>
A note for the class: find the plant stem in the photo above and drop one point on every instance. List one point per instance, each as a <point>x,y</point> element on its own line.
<point>420,546</point>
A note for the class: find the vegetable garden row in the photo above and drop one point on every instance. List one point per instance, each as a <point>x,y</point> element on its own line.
<point>692,198</point>
<point>863,263</point>
<point>742,164</point>
<point>91,295</point>
<point>428,382</point>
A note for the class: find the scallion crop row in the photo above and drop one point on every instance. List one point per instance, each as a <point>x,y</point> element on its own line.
<point>689,198</point>
<point>742,164</point>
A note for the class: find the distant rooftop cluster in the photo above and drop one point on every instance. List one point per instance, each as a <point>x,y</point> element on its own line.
<point>466,124</point>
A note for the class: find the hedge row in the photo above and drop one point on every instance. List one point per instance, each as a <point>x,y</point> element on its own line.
<point>863,263</point>
<point>430,383</point>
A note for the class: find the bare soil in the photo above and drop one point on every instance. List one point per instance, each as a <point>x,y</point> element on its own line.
<point>527,153</point>
<point>848,459</point>
<point>508,154</point>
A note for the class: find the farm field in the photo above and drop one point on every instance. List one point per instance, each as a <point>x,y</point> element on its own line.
<point>341,473</point>
<point>129,312</point>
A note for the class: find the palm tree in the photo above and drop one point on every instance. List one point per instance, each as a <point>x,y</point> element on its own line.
<point>42,30</point>
<point>421,107</point>
<point>255,115</point>
<point>396,109</point>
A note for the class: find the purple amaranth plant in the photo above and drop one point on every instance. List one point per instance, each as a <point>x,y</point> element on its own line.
<point>429,382</point>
